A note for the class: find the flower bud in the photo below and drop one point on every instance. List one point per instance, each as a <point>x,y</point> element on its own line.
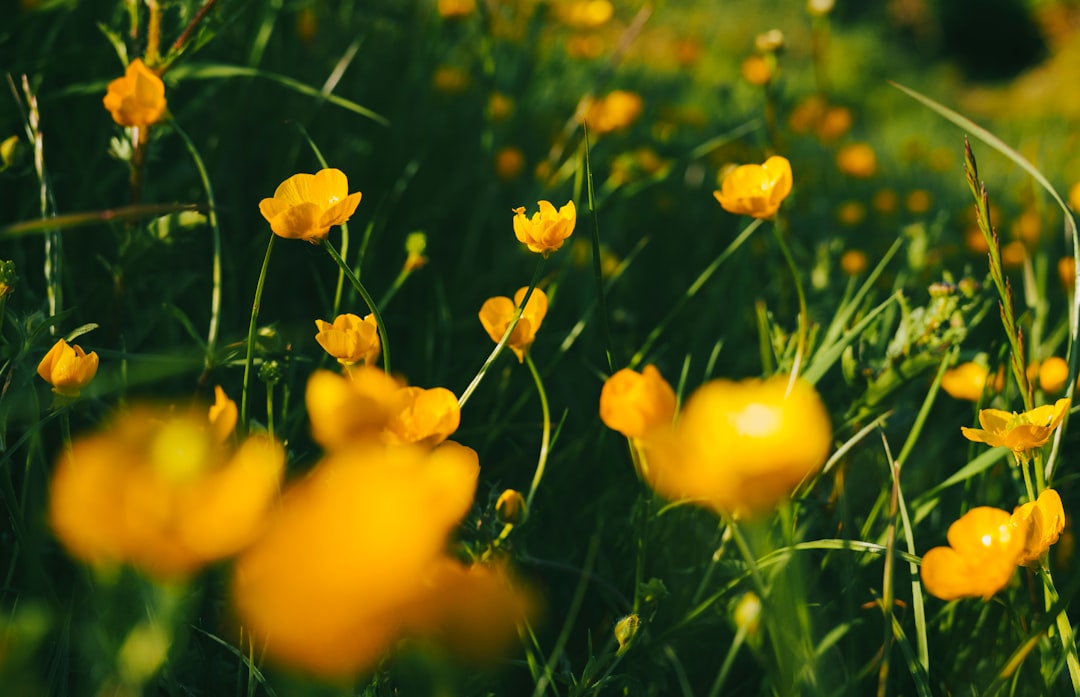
<point>510,507</point>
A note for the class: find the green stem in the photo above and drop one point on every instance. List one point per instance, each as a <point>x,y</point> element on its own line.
<point>383,338</point>
<point>270,409</point>
<point>1064,627</point>
<point>505,337</point>
<point>598,269</point>
<point>251,331</point>
<point>545,439</point>
<point>804,320</point>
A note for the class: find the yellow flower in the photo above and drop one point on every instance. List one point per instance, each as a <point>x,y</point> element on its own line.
<point>342,409</point>
<point>306,206</point>
<point>497,313</point>
<point>68,368</point>
<point>1039,524</point>
<point>966,381</point>
<point>1018,432</point>
<point>633,403</point>
<point>857,160</point>
<point>980,560</point>
<point>510,507</point>
<point>617,109</point>
<point>756,190</point>
<point>223,415</point>
<point>456,9</point>
<point>160,492</point>
<point>740,447</point>
<point>350,339</point>
<point>585,14</point>
<point>758,70</point>
<point>138,98</point>
<point>422,416</point>
<point>546,231</point>
<point>1067,273</point>
<point>1053,372</point>
<point>355,558</point>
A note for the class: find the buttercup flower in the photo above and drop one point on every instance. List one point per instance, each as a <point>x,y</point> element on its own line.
<point>617,109</point>
<point>1039,524</point>
<point>161,492</point>
<point>497,313</point>
<point>584,14</point>
<point>511,507</point>
<point>68,368</point>
<point>355,558</point>
<point>306,206</point>
<point>740,447</point>
<point>546,231</point>
<point>632,403</point>
<point>756,190</point>
<point>223,415</point>
<point>350,339</point>
<point>138,98</point>
<point>1018,432</point>
<point>343,409</point>
<point>423,416</point>
<point>857,160</point>
<point>981,558</point>
<point>1053,372</point>
<point>967,381</point>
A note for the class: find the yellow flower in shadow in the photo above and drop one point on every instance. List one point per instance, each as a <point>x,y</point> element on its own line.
<point>969,381</point>
<point>138,98</point>
<point>633,403</point>
<point>1039,524</point>
<point>1018,432</point>
<point>981,558</point>
<point>306,206</point>
<point>426,417</point>
<point>160,492</point>
<point>546,231</point>
<point>223,415</point>
<point>68,368</point>
<point>756,190</point>
<point>740,448</point>
<point>350,339</point>
<point>497,313</point>
<point>355,559</point>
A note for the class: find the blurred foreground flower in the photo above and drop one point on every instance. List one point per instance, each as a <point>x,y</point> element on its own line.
<point>160,491</point>
<point>546,231</point>
<point>633,403</point>
<point>968,381</point>
<point>1018,432</point>
<point>350,339</point>
<point>497,313</point>
<point>426,417</point>
<point>68,368</point>
<point>355,559</point>
<point>1039,524</point>
<point>740,447</point>
<point>138,98</point>
<point>306,206</point>
<point>756,190</point>
<point>984,547</point>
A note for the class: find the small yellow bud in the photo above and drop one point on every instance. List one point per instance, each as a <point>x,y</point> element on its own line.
<point>511,507</point>
<point>625,631</point>
<point>747,614</point>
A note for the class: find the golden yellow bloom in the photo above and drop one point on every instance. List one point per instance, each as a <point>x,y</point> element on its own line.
<point>546,231</point>
<point>1039,524</point>
<point>756,190</point>
<point>497,313</point>
<point>350,339</point>
<point>1053,372</point>
<point>857,160</point>
<point>966,381</point>
<point>617,109</point>
<point>306,206</point>
<point>343,409</point>
<point>1018,432</point>
<point>68,368</point>
<point>758,70</point>
<point>223,415</point>
<point>426,417</point>
<point>456,9</point>
<point>740,447</point>
<point>584,14</point>
<point>138,98</point>
<point>632,403</point>
<point>355,558</point>
<point>980,560</point>
<point>161,492</point>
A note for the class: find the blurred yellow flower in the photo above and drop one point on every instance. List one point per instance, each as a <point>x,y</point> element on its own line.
<point>967,381</point>
<point>758,70</point>
<point>344,408</point>
<point>355,559</point>
<point>456,9</point>
<point>496,314</point>
<point>68,368</point>
<point>1039,524</point>
<point>835,122</point>
<point>306,206</point>
<point>1074,197</point>
<point>426,417</point>
<point>546,231</point>
<point>138,98</point>
<point>980,560</point>
<point>223,415</point>
<point>159,491</point>
<point>584,14</point>
<point>1018,432</point>
<point>853,262</point>
<point>756,190</point>
<point>857,160</point>
<point>509,162</point>
<point>617,109</point>
<point>740,447</point>
<point>350,339</point>
<point>633,403</point>
<point>1053,372</point>
<point>1067,273</point>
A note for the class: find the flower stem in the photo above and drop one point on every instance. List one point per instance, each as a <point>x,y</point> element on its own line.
<point>598,272</point>
<point>804,319</point>
<point>251,331</point>
<point>545,438</point>
<point>505,337</point>
<point>380,325</point>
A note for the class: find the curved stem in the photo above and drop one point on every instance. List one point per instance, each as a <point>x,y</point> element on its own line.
<point>251,331</point>
<point>380,325</point>
<point>545,438</point>
<point>804,320</point>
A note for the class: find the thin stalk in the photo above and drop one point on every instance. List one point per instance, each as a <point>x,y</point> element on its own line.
<point>545,438</point>
<point>598,273</point>
<point>1064,627</point>
<point>804,319</point>
<point>153,33</point>
<point>251,330</point>
<point>270,408</point>
<point>380,325</point>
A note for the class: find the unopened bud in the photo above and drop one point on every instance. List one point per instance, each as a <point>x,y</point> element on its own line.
<point>769,42</point>
<point>415,246</point>
<point>511,507</point>
<point>625,630</point>
<point>747,614</point>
